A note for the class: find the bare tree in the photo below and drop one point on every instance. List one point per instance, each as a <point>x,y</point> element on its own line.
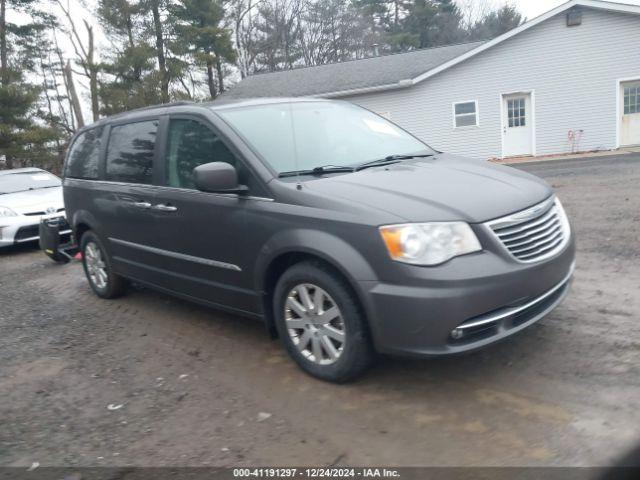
<point>73,95</point>
<point>4,66</point>
<point>85,57</point>
<point>160,50</point>
<point>242,18</point>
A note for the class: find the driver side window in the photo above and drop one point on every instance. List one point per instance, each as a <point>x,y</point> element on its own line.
<point>191,144</point>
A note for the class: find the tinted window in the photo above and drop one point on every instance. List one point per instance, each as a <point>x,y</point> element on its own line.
<point>192,143</point>
<point>84,156</point>
<point>130,152</point>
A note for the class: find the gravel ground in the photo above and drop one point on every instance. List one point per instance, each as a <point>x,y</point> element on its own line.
<point>151,380</point>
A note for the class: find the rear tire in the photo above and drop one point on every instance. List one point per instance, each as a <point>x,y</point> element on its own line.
<point>321,323</point>
<point>97,267</point>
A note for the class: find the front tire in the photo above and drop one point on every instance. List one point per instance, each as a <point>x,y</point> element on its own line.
<point>97,267</point>
<point>321,324</point>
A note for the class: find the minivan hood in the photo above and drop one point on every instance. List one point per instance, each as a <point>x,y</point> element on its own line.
<point>440,188</point>
<point>33,201</point>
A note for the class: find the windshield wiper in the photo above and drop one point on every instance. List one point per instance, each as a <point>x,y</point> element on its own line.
<point>318,171</point>
<point>390,160</point>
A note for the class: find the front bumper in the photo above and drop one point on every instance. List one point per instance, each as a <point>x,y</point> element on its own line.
<point>486,296</point>
<point>25,228</point>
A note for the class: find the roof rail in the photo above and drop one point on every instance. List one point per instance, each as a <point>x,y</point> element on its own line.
<point>153,107</point>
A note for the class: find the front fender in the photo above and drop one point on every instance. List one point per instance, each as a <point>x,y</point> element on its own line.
<point>335,251</point>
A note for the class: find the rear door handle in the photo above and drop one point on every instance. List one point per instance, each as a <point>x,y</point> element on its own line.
<point>143,205</point>
<point>165,208</point>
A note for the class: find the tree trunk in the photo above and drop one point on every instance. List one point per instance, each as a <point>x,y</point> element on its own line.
<point>137,71</point>
<point>93,75</point>
<point>162,62</point>
<point>75,101</point>
<point>210,81</point>
<point>64,80</point>
<point>220,74</point>
<point>4,68</point>
<point>93,88</point>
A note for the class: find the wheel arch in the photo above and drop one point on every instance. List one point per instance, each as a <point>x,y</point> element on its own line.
<point>82,222</point>
<point>336,254</point>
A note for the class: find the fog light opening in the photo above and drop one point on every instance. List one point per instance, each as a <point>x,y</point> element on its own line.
<point>457,333</point>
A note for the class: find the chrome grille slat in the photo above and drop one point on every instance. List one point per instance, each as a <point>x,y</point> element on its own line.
<point>533,245</point>
<point>533,234</point>
<point>542,250</point>
<point>548,231</point>
<point>528,233</point>
<point>511,230</point>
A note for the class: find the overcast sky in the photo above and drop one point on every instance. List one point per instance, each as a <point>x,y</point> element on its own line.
<point>533,8</point>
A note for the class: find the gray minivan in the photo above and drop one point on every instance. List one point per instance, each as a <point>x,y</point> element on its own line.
<point>345,234</point>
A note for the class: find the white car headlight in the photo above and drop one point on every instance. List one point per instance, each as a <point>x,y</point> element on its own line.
<point>7,212</point>
<point>429,243</point>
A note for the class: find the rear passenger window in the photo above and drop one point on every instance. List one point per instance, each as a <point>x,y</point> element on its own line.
<point>192,143</point>
<point>83,158</point>
<point>130,152</point>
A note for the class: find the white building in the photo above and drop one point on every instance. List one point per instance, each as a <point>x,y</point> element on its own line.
<point>566,81</point>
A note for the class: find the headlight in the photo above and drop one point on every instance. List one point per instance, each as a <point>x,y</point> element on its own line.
<point>429,243</point>
<point>7,212</point>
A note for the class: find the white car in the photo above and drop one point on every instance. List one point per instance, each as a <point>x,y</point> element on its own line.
<point>28,195</point>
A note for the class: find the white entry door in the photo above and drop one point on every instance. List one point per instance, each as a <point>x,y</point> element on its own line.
<point>517,128</point>
<point>630,110</point>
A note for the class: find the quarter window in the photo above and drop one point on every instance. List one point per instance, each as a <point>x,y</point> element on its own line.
<point>130,152</point>
<point>192,143</point>
<point>84,156</point>
<point>465,114</point>
<point>632,100</point>
<point>516,112</point>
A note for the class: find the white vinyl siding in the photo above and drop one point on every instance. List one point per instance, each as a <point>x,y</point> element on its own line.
<point>465,114</point>
<point>574,72</point>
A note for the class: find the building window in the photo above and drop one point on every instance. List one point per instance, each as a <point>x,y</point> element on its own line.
<point>465,114</point>
<point>516,112</point>
<point>632,100</point>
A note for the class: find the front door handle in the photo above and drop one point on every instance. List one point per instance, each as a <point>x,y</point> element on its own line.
<point>143,205</point>
<point>165,208</point>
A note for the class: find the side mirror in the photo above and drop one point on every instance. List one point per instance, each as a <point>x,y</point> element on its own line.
<point>217,177</point>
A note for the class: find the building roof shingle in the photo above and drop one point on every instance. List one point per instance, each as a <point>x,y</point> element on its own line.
<point>345,76</point>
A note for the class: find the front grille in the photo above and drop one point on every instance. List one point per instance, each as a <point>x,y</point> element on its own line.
<point>534,234</point>
<point>33,214</point>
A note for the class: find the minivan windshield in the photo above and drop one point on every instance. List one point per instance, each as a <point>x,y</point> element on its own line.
<point>24,181</point>
<point>300,136</point>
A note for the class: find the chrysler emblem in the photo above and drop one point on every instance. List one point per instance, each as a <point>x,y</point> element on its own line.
<point>50,210</point>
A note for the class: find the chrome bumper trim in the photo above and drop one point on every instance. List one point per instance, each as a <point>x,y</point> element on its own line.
<point>496,316</point>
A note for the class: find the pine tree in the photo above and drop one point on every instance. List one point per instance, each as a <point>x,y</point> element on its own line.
<point>496,23</point>
<point>25,138</point>
<point>130,79</point>
<point>201,35</point>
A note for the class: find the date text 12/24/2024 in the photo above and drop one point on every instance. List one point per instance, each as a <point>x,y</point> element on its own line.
<point>316,472</point>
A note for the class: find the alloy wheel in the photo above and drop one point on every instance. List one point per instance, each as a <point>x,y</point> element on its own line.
<point>96,267</point>
<point>314,323</point>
